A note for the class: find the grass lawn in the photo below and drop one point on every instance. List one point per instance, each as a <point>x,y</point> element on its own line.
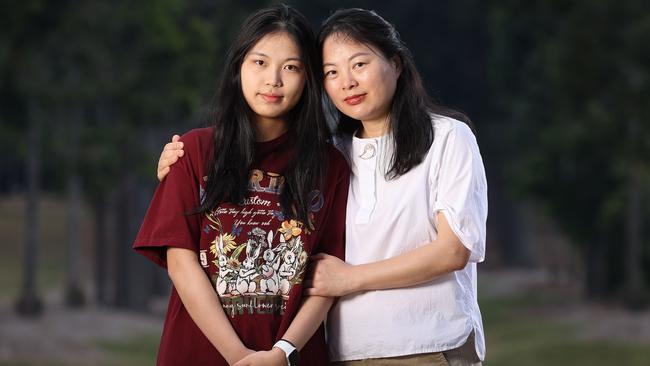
<point>136,351</point>
<point>518,336</point>
<point>51,248</point>
<point>519,329</point>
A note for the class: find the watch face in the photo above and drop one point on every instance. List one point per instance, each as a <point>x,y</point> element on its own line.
<point>294,358</point>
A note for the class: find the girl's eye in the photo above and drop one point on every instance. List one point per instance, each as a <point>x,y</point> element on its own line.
<point>330,73</point>
<point>359,64</point>
<point>259,62</point>
<point>292,68</point>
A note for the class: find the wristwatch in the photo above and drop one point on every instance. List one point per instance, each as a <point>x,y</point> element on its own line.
<point>293,357</point>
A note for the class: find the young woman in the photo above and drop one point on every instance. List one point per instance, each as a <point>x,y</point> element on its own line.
<point>254,196</point>
<point>416,211</point>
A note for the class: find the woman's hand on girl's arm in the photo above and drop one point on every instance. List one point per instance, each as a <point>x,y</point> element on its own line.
<point>333,277</point>
<point>202,303</point>
<point>170,154</point>
<point>330,276</point>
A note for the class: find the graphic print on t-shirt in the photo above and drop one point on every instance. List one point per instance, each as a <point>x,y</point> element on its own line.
<point>257,254</point>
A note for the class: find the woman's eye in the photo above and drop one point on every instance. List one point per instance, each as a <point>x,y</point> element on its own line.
<point>330,73</point>
<point>292,68</point>
<point>359,64</point>
<point>259,62</point>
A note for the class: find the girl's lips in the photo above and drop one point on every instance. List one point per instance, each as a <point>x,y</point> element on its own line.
<point>355,99</point>
<point>271,98</point>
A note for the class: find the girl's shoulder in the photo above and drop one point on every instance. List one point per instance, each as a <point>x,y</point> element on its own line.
<point>341,143</point>
<point>198,137</point>
<point>336,161</point>
<point>198,143</point>
<point>335,153</point>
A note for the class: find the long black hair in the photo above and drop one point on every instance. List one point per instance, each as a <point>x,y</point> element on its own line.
<point>234,132</point>
<point>411,107</point>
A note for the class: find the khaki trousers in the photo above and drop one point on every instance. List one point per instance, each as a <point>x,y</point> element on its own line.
<point>464,355</point>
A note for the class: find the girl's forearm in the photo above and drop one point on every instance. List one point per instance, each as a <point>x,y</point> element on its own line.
<point>202,303</point>
<point>310,316</point>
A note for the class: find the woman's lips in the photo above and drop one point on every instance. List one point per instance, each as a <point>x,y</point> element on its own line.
<point>271,98</point>
<point>355,99</point>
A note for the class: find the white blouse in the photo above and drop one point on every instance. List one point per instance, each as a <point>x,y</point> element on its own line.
<point>386,218</point>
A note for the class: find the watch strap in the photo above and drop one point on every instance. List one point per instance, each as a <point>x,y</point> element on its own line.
<point>290,351</point>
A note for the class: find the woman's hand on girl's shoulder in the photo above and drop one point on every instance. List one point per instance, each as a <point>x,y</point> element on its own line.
<point>274,357</point>
<point>170,155</point>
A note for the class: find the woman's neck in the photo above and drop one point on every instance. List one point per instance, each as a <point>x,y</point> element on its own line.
<point>373,128</point>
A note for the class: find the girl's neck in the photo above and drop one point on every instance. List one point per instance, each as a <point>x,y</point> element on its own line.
<point>267,129</point>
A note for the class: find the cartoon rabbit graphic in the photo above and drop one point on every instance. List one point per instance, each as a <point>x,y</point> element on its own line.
<point>270,282</point>
<point>270,278</point>
<point>248,272</point>
<point>287,272</point>
<point>223,284</point>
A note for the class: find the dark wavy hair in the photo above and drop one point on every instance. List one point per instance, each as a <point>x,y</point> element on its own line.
<point>234,133</point>
<point>411,106</point>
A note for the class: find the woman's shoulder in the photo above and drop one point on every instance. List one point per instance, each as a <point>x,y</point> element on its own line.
<point>444,126</point>
<point>451,134</point>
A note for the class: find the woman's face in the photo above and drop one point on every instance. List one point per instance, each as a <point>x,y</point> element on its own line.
<point>272,76</point>
<point>358,78</point>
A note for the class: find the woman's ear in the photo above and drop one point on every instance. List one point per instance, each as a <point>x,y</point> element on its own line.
<point>397,62</point>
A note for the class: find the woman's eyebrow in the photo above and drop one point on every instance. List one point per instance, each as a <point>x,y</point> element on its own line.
<point>349,58</point>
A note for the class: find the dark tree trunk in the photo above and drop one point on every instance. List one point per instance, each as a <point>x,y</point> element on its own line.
<point>74,296</point>
<point>596,267</point>
<point>122,248</point>
<point>634,287</point>
<point>29,304</point>
<point>101,251</point>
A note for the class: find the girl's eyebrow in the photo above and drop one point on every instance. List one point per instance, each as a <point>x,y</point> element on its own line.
<point>350,58</point>
<point>294,58</point>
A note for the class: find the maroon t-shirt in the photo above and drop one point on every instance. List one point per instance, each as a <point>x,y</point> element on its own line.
<point>254,256</point>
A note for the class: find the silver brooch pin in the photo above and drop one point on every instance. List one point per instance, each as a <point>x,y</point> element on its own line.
<point>368,152</point>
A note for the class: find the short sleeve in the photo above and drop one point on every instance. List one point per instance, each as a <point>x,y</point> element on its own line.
<point>168,221</point>
<point>460,192</point>
<point>332,238</point>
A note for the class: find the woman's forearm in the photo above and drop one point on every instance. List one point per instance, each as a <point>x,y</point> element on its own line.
<point>412,268</point>
<point>311,314</point>
<point>444,255</point>
<point>202,303</point>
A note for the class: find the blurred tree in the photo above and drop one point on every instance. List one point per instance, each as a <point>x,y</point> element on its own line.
<point>148,65</point>
<point>573,80</point>
<point>23,74</point>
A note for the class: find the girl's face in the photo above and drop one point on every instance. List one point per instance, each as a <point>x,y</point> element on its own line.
<point>359,80</point>
<point>272,76</point>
